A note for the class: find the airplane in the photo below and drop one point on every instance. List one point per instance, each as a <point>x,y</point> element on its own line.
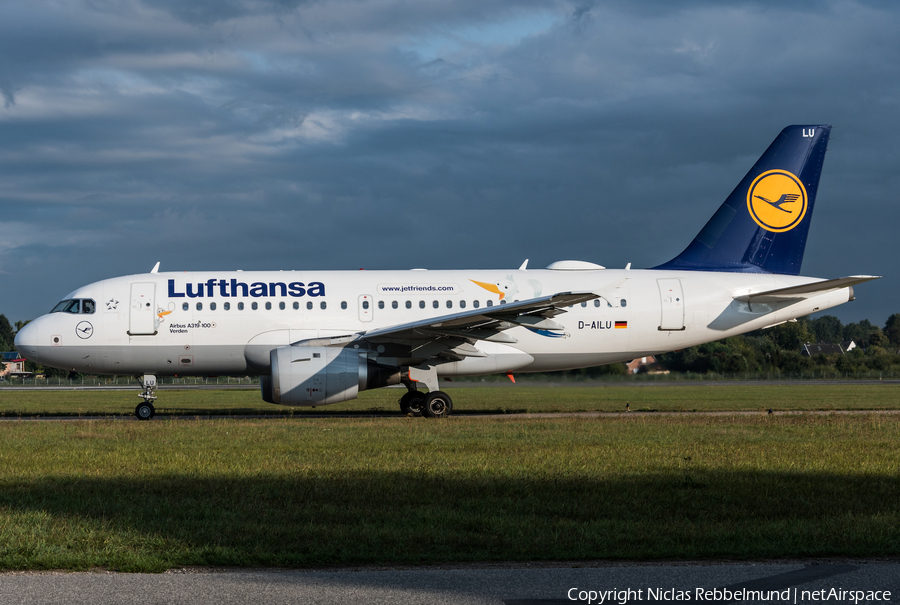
<point>317,338</point>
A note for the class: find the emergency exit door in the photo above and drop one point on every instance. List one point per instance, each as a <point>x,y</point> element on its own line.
<point>142,313</point>
<point>366,307</point>
<point>672,304</point>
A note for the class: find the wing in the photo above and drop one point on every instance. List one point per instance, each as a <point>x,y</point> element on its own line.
<point>795,293</point>
<point>452,337</point>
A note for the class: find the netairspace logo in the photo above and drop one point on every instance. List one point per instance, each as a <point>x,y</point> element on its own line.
<point>724,595</point>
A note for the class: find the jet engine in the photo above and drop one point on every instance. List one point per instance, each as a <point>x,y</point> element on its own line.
<point>322,375</point>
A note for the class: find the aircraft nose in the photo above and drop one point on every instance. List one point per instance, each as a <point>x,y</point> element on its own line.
<point>27,340</point>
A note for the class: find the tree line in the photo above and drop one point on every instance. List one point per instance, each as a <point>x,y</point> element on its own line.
<point>8,344</point>
<point>778,349</point>
<point>773,350</point>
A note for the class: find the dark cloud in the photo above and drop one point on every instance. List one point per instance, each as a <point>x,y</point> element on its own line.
<point>333,135</point>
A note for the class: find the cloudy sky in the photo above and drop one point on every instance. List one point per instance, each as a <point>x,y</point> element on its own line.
<point>387,134</point>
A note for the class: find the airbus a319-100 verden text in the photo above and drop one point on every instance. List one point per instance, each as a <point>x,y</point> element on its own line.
<point>316,338</point>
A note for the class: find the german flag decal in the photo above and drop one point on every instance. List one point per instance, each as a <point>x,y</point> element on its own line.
<point>621,324</point>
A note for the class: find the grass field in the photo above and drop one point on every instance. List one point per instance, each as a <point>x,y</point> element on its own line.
<point>474,400</point>
<point>147,496</point>
<point>295,491</point>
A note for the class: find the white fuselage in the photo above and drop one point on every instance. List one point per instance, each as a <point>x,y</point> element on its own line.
<point>226,323</point>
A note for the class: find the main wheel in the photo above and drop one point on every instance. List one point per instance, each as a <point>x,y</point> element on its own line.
<point>411,403</point>
<point>437,405</point>
<point>145,411</point>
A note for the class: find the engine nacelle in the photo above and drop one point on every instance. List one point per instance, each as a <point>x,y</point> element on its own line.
<point>322,375</point>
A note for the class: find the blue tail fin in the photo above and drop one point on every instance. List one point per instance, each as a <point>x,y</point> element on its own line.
<point>762,226</point>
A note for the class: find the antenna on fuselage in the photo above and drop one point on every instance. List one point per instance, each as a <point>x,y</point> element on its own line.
<point>155,268</point>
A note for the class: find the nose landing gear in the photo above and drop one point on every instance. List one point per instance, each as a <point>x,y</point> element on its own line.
<point>145,409</point>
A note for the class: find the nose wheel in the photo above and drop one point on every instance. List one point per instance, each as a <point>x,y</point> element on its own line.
<point>145,409</point>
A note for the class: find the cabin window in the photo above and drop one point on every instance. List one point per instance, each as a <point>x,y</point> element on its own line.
<point>596,302</point>
<point>502,302</point>
<point>421,304</point>
<point>268,306</point>
<point>475,303</point>
<point>281,305</point>
<point>212,306</point>
<point>344,305</point>
<point>381,304</point>
<point>435,304</point>
<point>584,303</point>
<point>254,306</point>
<point>462,304</point>
<point>394,304</point>
<point>409,304</point>
<point>185,306</point>
<point>226,306</point>
<point>240,306</point>
<point>449,304</point>
<point>296,305</point>
<point>199,306</point>
<point>623,302</point>
<point>322,305</point>
<point>365,304</point>
<point>309,306</point>
<point>490,303</point>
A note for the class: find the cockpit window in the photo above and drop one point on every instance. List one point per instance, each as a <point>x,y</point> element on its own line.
<point>70,306</point>
<point>60,306</point>
<point>75,306</point>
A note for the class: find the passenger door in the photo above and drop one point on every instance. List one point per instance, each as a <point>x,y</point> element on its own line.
<point>672,301</point>
<point>142,315</point>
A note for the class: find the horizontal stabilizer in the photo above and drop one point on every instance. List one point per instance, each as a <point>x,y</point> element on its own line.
<point>804,291</point>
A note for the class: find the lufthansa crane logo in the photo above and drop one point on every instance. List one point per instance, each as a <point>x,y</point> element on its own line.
<point>84,329</point>
<point>777,200</point>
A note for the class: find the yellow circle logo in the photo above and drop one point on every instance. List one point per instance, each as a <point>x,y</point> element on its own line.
<point>777,200</point>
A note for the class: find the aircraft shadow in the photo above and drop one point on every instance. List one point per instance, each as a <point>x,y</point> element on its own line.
<point>317,517</point>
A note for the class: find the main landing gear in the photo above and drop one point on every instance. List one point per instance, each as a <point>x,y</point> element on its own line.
<point>411,402</point>
<point>434,404</point>
<point>145,409</point>
<point>437,404</point>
